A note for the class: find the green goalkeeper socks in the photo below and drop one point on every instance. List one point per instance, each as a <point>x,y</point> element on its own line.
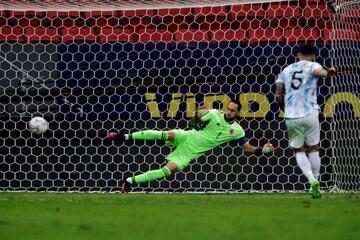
<point>152,175</point>
<point>149,135</point>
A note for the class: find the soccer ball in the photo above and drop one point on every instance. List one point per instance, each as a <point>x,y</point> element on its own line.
<point>38,125</point>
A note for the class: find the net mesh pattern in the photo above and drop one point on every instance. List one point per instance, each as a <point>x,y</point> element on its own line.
<point>134,65</point>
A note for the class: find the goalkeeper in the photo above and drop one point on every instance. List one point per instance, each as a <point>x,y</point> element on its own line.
<point>211,129</point>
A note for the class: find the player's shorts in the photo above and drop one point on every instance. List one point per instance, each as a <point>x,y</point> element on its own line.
<point>304,131</point>
<point>182,155</point>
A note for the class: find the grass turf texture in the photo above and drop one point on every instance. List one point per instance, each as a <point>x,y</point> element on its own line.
<point>178,216</point>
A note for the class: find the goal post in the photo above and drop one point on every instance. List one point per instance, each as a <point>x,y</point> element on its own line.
<point>89,67</point>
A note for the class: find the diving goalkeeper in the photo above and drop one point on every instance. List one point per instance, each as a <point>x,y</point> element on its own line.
<point>211,129</point>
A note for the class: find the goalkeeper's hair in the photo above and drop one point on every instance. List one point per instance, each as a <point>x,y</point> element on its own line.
<point>236,102</point>
<point>307,49</point>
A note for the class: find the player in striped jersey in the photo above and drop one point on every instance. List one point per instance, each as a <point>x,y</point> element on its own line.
<point>297,96</point>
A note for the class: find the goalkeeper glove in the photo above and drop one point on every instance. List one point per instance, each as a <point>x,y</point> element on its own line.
<point>267,148</point>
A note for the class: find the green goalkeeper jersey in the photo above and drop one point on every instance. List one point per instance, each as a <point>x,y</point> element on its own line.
<point>216,132</point>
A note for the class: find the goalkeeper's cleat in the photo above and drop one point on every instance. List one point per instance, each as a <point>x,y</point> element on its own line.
<point>125,186</point>
<point>315,189</point>
<point>116,137</point>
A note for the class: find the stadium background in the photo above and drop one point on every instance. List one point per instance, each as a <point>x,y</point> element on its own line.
<point>105,70</point>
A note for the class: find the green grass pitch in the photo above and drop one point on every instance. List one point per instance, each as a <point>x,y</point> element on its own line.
<point>179,216</point>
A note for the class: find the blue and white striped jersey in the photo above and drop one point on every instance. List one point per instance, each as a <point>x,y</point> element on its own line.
<point>300,88</point>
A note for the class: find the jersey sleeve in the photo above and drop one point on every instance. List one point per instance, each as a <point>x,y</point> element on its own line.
<point>243,140</point>
<point>239,132</point>
<point>281,78</point>
<point>240,135</point>
<point>316,66</point>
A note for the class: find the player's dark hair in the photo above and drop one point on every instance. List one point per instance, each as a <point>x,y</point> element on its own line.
<point>307,49</point>
<point>236,102</point>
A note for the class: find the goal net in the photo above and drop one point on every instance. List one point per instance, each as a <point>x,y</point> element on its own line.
<point>345,99</point>
<point>89,67</point>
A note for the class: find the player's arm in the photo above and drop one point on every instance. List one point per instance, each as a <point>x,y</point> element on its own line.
<point>280,92</point>
<point>324,72</point>
<point>279,95</point>
<point>266,148</point>
<point>251,149</point>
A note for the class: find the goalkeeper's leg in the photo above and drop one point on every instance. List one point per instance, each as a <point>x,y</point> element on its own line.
<point>142,135</point>
<point>149,176</point>
<point>177,160</point>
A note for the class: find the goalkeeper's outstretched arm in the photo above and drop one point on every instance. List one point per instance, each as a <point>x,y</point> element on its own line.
<point>266,148</point>
<point>250,148</point>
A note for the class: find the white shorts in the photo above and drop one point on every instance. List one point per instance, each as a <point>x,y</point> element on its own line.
<point>304,130</point>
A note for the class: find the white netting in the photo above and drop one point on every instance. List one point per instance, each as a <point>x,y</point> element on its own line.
<point>89,71</point>
<point>346,96</point>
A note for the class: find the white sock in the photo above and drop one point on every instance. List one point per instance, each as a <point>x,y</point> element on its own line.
<point>129,180</point>
<point>305,166</point>
<point>126,136</point>
<point>315,162</point>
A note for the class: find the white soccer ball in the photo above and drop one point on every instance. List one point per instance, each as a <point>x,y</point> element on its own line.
<point>38,125</point>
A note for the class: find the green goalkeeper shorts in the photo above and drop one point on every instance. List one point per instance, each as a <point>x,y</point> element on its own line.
<point>182,155</point>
